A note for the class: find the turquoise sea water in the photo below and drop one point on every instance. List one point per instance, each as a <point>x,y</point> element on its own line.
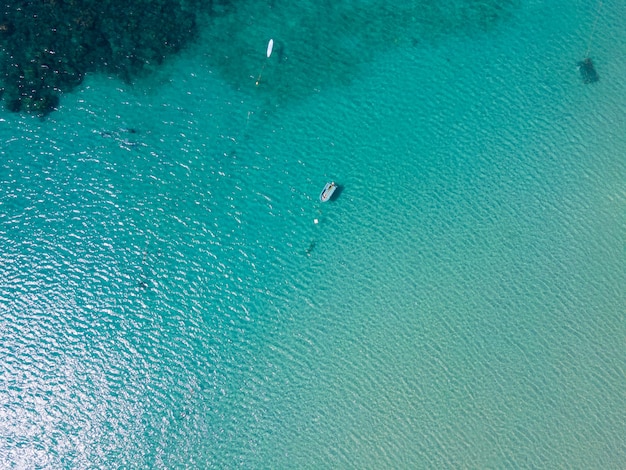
<point>173,295</point>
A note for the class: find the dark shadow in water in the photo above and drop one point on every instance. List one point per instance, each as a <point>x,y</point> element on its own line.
<point>336,193</point>
<point>588,71</point>
<point>49,45</point>
<point>324,44</point>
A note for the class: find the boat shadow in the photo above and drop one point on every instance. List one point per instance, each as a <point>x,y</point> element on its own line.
<point>336,193</point>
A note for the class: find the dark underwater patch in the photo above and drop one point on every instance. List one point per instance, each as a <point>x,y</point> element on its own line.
<point>327,43</point>
<point>49,45</point>
<point>588,71</point>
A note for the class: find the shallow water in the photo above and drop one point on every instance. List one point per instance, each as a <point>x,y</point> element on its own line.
<point>168,298</point>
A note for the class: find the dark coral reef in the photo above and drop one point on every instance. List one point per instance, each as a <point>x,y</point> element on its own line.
<point>49,45</point>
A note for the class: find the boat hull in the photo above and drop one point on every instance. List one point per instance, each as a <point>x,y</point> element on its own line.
<point>328,191</point>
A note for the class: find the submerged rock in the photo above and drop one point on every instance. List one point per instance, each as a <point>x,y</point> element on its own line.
<point>588,71</point>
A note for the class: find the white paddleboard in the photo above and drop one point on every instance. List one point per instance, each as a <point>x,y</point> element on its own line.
<point>270,46</point>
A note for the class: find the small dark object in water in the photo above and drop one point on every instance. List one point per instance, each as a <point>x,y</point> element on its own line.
<point>588,71</point>
<point>310,248</point>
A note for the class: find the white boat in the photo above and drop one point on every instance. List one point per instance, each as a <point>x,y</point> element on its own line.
<point>328,191</point>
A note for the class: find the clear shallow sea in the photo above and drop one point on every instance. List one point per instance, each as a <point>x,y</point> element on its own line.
<point>167,299</point>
